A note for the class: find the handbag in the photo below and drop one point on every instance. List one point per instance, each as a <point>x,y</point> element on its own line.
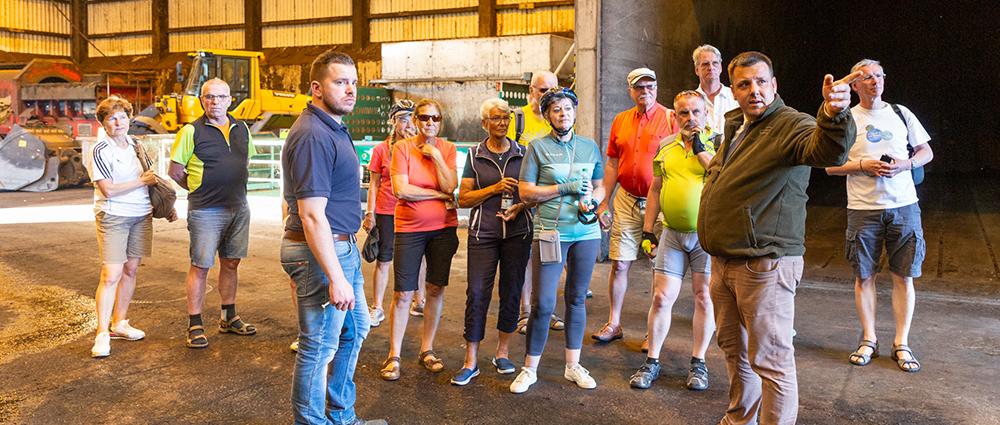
<point>161,195</point>
<point>370,250</point>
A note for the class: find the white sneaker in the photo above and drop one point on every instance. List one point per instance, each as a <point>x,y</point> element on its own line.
<point>102,345</point>
<point>377,316</point>
<point>523,381</point>
<point>581,376</point>
<point>122,330</point>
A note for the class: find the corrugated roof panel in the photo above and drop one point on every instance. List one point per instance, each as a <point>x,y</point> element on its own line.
<point>193,13</point>
<point>283,10</point>
<point>535,21</point>
<point>430,27</point>
<point>527,3</point>
<point>191,41</point>
<point>125,16</point>
<point>318,34</point>
<point>122,46</point>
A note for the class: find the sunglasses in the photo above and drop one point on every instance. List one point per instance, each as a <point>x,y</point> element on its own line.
<point>425,118</point>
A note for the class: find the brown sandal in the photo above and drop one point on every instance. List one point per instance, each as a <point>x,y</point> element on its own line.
<point>912,362</point>
<point>859,359</point>
<point>390,369</point>
<point>430,361</point>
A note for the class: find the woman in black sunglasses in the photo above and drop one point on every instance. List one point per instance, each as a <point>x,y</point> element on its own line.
<point>424,179</point>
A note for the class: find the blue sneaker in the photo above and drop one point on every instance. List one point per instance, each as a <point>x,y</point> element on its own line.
<point>504,365</point>
<point>464,376</point>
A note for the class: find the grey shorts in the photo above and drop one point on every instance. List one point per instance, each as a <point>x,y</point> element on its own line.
<point>222,230</point>
<point>898,229</point>
<point>120,238</point>
<point>677,251</point>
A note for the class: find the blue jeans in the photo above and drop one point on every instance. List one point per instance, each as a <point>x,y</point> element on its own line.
<point>323,389</point>
<point>222,230</point>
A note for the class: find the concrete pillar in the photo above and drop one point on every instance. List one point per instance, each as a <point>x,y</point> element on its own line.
<point>588,67</point>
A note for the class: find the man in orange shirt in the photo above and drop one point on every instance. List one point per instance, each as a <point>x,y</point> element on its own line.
<point>635,137</point>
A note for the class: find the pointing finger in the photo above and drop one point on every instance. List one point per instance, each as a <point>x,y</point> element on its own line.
<point>850,78</point>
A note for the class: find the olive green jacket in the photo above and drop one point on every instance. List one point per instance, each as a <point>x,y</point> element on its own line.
<point>754,203</point>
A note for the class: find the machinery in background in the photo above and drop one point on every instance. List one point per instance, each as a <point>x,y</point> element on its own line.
<point>40,160</point>
<point>49,93</point>
<point>266,109</point>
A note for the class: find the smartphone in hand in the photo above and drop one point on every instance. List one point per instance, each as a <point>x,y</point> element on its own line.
<point>886,159</point>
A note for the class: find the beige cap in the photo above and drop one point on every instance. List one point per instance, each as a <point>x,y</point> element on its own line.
<point>638,73</point>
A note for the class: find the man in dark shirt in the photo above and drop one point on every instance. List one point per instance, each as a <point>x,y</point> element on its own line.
<point>209,158</point>
<point>319,252</point>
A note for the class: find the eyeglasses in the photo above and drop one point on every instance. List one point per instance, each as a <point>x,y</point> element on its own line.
<point>644,87</point>
<point>542,89</point>
<point>870,77</point>
<point>497,120</point>
<point>425,118</point>
<point>215,97</point>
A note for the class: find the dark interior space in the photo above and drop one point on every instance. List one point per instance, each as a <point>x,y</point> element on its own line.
<point>940,59</point>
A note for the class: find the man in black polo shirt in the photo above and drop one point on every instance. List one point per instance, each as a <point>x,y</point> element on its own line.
<point>323,190</point>
<point>209,159</point>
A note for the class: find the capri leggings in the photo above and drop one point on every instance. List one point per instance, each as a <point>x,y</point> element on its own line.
<point>579,257</point>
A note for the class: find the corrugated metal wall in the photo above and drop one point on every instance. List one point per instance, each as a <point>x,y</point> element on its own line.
<point>393,6</point>
<point>196,13</point>
<point>452,25</point>
<point>121,46</point>
<point>34,15</point>
<point>190,41</point>
<point>312,34</point>
<point>283,10</point>
<point>115,17</point>
<point>535,21</point>
<point>307,34</point>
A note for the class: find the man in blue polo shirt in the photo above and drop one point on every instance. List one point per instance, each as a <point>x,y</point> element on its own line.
<point>322,189</point>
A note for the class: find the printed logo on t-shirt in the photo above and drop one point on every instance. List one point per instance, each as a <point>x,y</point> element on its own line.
<point>875,135</point>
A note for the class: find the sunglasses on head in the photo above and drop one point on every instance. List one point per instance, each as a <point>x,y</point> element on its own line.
<point>425,118</point>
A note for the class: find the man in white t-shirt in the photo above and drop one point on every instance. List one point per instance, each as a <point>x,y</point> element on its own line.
<point>708,68</point>
<point>882,210</point>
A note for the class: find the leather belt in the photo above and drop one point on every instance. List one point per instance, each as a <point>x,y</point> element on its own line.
<point>295,236</point>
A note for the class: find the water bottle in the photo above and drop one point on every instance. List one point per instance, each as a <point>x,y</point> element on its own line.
<point>585,175</point>
<point>506,200</point>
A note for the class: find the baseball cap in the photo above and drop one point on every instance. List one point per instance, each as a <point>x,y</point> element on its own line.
<point>638,73</point>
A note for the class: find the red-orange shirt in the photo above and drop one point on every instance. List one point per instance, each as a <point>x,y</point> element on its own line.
<point>635,138</point>
<point>427,215</point>
<point>385,201</point>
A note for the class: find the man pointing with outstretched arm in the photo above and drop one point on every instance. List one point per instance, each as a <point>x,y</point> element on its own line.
<point>752,221</point>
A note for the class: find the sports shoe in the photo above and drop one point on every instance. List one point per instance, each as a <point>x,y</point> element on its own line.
<point>697,376</point>
<point>590,294</point>
<point>122,330</point>
<point>102,345</point>
<point>504,366</point>
<point>377,316</point>
<point>464,376</point>
<point>608,333</point>
<point>644,377</point>
<point>417,308</point>
<point>523,380</point>
<point>580,375</point>
<point>295,346</point>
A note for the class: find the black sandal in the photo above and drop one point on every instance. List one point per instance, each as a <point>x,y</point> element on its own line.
<point>859,359</point>
<point>904,363</point>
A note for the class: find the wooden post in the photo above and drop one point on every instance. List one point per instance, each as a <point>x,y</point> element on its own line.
<point>252,31</point>
<point>487,18</point>
<point>78,47</point>
<point>360,27</point>
<point>161,28</point>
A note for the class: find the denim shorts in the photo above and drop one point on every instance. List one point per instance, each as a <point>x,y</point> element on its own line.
<point>120,238</point>
<point>677,251</point>
<point>225,230</point>
<point>897,229</point>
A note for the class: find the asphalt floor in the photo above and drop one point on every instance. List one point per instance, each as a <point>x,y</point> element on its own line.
<point>49,270</point>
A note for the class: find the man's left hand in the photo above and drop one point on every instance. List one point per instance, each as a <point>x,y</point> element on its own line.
<point>837,94</point>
